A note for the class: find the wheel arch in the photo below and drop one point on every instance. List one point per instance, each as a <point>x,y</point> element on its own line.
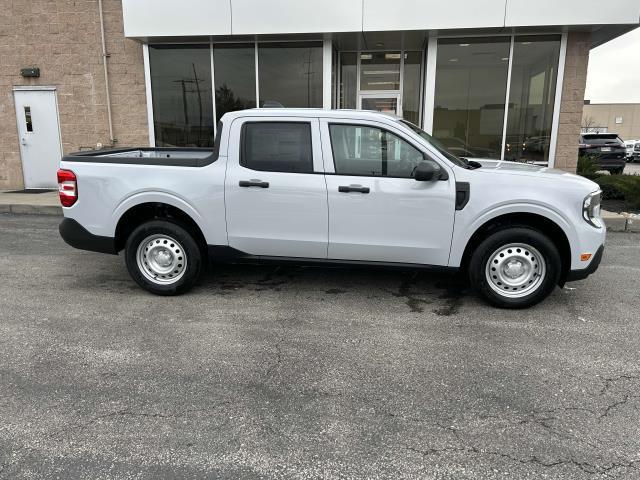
<point>155,210</point>
<point>540,222</point>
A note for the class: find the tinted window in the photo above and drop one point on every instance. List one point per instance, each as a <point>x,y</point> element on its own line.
<point>370,151</point>
<point>602,140</point>
<point>277,147</point>
<point>531,98</point>
<point>290,74</point>
<point>471,87</point>
<point>181,92</point>
<point>235,78</point>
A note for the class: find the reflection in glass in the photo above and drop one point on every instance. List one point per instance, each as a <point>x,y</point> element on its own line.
<point>181,91</point>
<point>348,79</point>
<point>290,74</point>
<point>411,87</point>
<point>531,98</point>
<point>235,78</point>
<point>381,104</point>
<point>471,83</point>
<point>370,151</point>
<point>380,71</point>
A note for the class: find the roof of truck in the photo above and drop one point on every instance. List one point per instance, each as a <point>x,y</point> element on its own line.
<point>309,112</point>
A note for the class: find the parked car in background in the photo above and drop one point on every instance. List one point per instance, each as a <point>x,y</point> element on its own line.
<point>630,145</point>
<point>332,187</point>
<point>606,149</point>
<point>636,153</point>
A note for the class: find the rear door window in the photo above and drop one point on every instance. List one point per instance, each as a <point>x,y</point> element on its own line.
<point>603,140</point>
<point>277,147</point>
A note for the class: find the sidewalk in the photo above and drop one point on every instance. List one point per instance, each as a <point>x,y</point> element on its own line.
<point>48,204</point>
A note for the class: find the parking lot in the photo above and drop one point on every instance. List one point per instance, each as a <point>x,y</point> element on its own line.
<point>266,372</point>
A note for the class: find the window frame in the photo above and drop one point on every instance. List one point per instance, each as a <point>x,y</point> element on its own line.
<point>243,148</point>
<point>426,156</point>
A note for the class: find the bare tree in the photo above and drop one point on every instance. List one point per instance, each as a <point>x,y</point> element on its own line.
<point>589,125</point>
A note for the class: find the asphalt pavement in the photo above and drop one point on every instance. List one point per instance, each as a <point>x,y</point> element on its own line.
<point>266,372</point>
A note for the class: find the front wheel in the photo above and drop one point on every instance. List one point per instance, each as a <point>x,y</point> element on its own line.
<point>163,258</point>
<point>516,267</point>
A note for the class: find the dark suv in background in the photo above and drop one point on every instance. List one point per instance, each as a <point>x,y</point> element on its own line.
<point>606,149</point>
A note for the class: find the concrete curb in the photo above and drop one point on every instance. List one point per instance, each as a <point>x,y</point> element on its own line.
<point>24,209</point>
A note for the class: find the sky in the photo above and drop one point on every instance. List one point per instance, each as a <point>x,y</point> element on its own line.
<point>614,71</point>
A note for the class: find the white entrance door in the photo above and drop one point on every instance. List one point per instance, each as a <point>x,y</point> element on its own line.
<point>39,136</point>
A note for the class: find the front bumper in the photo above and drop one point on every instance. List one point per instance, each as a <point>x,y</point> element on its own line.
<point>79,237</point>
<point>574,275</point>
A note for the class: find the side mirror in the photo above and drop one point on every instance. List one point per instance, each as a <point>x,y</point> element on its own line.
<point>429,171</point>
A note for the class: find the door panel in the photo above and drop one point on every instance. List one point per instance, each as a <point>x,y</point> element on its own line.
<point>396,219</point>
<point>289,216</point>
<point>39,137</point>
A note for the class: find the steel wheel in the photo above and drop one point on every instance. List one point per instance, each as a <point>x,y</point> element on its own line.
<point>161,259</point>
<point>515,270</point>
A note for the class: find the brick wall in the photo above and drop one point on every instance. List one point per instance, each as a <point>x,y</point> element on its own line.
<point>62,37</point>
<point>575,80</point>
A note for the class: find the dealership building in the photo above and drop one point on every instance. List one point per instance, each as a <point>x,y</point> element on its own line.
<point>499,79</point>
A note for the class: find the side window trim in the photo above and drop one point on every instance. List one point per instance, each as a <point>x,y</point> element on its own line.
<point>243,146</point>
<point>330,122</point>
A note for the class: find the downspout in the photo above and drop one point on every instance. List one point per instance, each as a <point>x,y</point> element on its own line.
<point>112,140</point>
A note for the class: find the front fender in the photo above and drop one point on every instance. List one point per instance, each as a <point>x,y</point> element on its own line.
<point>467,223</point>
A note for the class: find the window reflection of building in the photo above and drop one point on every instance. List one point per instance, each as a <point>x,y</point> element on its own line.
<point>471,115</point>
<point>531,98</point>
<point>181,91</point>
<point>471,86</point>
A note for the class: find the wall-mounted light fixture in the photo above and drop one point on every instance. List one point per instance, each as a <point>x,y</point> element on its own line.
<point>30,72</point>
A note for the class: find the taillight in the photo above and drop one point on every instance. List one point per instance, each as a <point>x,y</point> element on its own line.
<point>67,187</point>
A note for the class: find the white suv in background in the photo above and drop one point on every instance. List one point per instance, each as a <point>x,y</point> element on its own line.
<point>630,145</point>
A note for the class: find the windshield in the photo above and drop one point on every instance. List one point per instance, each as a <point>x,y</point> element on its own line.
<point>436,143</point>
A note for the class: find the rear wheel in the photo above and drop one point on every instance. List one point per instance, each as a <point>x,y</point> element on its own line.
<point>616,171</point>
<point>163,257</point>
<point>516,267</point>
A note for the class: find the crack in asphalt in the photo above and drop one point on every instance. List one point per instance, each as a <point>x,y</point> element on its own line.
<point>610,381</point>
<point>616,404</point>
<point>467,447</point>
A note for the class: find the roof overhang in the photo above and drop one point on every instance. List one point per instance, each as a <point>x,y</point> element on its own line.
<point>157,20</point>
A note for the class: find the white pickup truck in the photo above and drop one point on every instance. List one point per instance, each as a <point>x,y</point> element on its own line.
<point>329,187</point>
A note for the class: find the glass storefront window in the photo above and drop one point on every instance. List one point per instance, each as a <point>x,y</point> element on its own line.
<point>290,74</point>
<point>471,84</point>
<point>380,71</point>
<point>235,77</point>
<point>348,79</point>
<point>182,97</point>
<point>531,98</point>
<point>411,83</point>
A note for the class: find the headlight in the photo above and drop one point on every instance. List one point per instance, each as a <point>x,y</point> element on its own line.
<point>591,209</point>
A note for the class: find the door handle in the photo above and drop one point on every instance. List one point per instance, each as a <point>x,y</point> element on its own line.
<point>353,188</point>
<point>253,183</point>
<point>23,141</point>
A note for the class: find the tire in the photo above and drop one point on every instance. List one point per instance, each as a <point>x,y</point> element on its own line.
<point>617,171</point>
<point>515,267</point>
<point>163,257</point>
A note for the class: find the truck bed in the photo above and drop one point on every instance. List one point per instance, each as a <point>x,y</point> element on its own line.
<point>184,157</point>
